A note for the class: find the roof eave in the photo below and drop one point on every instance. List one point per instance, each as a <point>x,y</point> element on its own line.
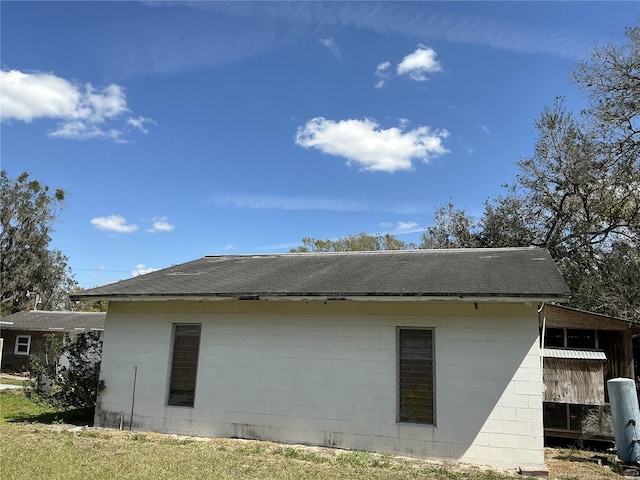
<point>479,298</point>
<point>52,329</point>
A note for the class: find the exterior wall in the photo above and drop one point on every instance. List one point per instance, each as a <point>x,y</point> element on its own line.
<point>325,374</point>
<point>19,363</point>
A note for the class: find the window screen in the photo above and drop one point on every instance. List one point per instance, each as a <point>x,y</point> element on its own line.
<point>184,365</point>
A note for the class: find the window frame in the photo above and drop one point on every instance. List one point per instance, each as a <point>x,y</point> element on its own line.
<point>400,416</point>
<point>173,398</point>
<point>16,348</point>
<point>567,335</point>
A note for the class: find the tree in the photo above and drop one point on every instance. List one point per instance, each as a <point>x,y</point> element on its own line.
<point>28,210</point>
<point>97,306</point>
<point>505,222</point>
<point>612,284</point>
<point>68,376</point>
<point>570,198</point>
<point>577,199</point>
<point>359,242</point>
<point>452,228</point>
<point>611,82</point>
<point>579,193</point>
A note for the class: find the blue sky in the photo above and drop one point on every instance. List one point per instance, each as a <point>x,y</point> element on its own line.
<point>191,128</point>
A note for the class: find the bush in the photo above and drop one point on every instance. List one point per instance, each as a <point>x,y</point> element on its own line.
<point>69,374</point>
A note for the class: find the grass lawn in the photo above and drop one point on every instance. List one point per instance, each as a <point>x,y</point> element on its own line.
<point>62,451</point>
<point>12,380</point>
<point>14,407</point>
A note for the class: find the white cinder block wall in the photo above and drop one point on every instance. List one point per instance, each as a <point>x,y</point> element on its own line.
<point>326,374</point>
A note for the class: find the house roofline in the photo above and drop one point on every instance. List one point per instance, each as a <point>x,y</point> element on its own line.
<point>328,297</point>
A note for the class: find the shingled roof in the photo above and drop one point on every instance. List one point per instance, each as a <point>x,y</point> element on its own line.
<point>472,274</point>
<point>43,321</point>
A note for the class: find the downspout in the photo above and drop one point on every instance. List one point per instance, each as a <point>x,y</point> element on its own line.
<point>542,337</point>
<point>544,325</point>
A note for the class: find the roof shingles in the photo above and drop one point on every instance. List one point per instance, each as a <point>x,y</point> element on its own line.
<point>507,272</point>
<point>42,320</point>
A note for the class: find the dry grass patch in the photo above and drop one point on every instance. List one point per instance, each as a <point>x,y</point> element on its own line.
<point>32,451</point>
<point>574,464</point>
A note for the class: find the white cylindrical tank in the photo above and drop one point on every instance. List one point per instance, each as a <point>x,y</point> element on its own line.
<point>625,416</point>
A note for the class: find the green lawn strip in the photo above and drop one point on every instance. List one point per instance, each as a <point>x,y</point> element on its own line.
<point>33,451</point>
<point>15,407</point>
<point>37,451</point>
<point>6,380</point>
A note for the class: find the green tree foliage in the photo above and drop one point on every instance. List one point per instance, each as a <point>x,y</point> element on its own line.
<point>579,193</point>
<point>612,282</point>
<point>28,210</point>
<point>68,376</point>
<point>452,228</point>
<point>97,306</point>
<point>359,242</point>
<point>611,81</point>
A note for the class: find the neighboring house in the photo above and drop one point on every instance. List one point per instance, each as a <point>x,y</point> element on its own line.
<point>23,333</point>
<point>582,350</point>
<point>428,353</point>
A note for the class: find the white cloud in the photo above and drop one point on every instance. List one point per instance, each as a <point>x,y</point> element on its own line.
<point>383,67</point>
<point>371,147</point>
<point>333,47</point>
<point>113,223</point>
<point>419,64</point>
<point>458,26</point>
<point>28,96</point>
<point>400,227</point>
<point>83,112</point>
<point>406,226</point>
<point>485,129</point>
<point>382,72</point>
<point>141,269</point>
<point>81,130</point>
<point>160,224</point>
<point>278,202</point>
<point>140,123</point>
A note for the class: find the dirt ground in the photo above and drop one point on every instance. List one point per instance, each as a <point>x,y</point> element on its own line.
<point>574,464</point>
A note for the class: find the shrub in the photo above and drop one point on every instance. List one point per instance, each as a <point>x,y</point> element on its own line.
<point>68,376</point>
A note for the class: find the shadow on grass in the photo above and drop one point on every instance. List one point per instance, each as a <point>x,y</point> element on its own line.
<point>71,417</point>
<point>17,408</point>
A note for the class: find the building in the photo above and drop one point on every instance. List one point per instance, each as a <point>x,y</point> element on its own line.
<point>23,333</point>
<point>427,353</point>
<point>582,351</point>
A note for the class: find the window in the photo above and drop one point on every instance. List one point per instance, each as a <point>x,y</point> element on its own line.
<point>581,338</point>
<point>23,345</point>
<point>184,365</point>
<point>554,337</point>
<point>415,376</point>
<point>571,338</point>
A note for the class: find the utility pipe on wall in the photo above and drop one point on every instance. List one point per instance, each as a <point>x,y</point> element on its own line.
<point>133,395</point>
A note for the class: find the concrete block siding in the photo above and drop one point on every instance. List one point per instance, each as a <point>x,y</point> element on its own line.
<point>325,373</point>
